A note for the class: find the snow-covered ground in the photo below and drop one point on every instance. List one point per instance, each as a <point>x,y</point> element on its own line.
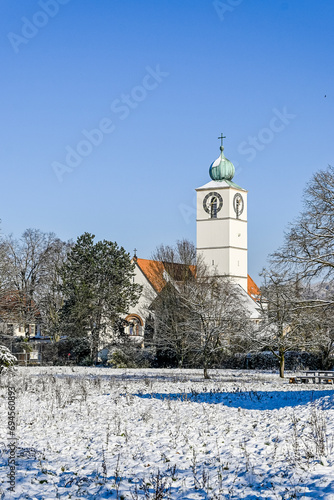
<point>155,434</point>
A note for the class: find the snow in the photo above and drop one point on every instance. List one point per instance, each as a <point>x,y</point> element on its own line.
<point>219,184</point>
<point>108,433</point>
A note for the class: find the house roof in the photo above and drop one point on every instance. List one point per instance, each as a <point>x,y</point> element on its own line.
<point>13,302</point>
<point>157,273</point>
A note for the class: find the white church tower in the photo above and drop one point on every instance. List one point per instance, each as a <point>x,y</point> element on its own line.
<point>222,222</point>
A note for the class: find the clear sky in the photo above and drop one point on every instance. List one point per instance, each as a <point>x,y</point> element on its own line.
<point>161,80</point>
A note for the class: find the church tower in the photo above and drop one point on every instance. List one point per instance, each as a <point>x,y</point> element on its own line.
<point>222,222</point>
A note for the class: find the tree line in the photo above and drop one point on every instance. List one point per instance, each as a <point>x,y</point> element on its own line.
<point>78,290</point>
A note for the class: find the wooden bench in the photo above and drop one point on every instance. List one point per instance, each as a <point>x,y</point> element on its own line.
<point>315,377</point>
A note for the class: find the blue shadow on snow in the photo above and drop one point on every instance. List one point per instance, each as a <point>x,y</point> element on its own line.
<point>251,400</point>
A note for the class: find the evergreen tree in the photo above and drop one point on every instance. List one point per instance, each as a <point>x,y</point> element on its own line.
<point>97,281</point>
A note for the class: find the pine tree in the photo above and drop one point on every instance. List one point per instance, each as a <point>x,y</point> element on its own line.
<point>97,281</point>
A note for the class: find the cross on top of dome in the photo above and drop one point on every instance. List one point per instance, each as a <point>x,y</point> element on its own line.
<point>222,137</point>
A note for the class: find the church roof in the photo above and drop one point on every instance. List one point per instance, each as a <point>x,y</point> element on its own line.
<point>157,274</point>
<point>220,184</point>
<point>252,289</point>
<point>153,271</point>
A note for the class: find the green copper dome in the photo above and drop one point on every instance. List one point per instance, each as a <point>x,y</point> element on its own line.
<point>222,169</point>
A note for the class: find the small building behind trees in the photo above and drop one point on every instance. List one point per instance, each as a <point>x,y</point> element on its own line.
<point>19,315</point>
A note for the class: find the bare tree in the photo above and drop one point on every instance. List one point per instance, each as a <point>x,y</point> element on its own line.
<point>26,267</point>
<point>50,297</point>
<point>184,252</point>
<point>197,314</point>
<point>173,339</point>
<point>308,248</point>
<point>217,318</point>
<point>282,327</point>
<point>318,330</point>
<point>173,269</point>
<point>307,256</point>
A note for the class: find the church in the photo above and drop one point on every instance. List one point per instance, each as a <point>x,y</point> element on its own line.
<point>221,244</point>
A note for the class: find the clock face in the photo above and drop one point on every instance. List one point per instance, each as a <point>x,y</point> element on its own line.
<point>238,204</point>
<point>212,203</point>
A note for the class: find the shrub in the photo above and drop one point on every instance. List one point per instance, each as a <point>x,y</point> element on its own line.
<point>118,359</point>
<point>6,358</point>
<point>78,348</point>
<point>86,361</point>
<point>294,360</point>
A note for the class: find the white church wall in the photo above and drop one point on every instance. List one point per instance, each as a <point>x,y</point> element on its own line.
<point>211,234</point>
<point>147,296</point>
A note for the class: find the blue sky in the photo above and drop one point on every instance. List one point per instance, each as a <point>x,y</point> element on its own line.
<point>161,80</point>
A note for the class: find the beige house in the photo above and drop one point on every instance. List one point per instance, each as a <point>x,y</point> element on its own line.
<point>19,317</point>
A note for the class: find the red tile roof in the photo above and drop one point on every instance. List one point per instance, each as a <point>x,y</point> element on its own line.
<point>154,272</point>
<point>12,303</point>
<point>252,289</point>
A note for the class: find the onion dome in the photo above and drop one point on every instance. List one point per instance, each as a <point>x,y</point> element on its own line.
<point>222,169</point>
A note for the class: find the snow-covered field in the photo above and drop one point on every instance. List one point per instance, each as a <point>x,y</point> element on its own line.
<point>155,434</point>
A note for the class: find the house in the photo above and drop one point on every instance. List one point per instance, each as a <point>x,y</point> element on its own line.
<point>19,316</point>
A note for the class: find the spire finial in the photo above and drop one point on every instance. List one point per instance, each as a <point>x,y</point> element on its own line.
<point>222,137</point>
<point>135,254</point>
